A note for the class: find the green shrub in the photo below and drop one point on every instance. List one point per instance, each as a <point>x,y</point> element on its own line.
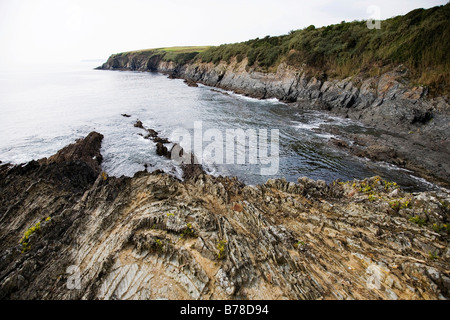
<point>418,220</point>
<point>395,204</point>
<point>221,247</point>
<point>188,231</point>
<point>400,204</point>
<point>390,185</point>
<point>441,227</point>
<point>26,237</point>
<point>433,255</point>
<point>159,245</point>
<point>299,244</point>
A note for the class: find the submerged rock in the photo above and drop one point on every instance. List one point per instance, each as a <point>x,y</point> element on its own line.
<point>161,150</point>
<point>139,124</point>
<point>187,161</point>
<point>155,237</point>
<point>191,83</point>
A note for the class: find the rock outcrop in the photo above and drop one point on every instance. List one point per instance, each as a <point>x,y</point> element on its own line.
<point>416,127</point>
<point>68,231</point>
<point>187,161</point>
<point>85,150</point>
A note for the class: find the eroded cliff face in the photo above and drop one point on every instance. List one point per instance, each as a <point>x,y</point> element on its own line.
<point>388,96</point>
<point>153,236</point>
<point>413,130</point>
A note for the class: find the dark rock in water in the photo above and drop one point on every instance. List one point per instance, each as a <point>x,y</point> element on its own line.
<point>126,115</point>
<point>171,75</point>
<point>162,140</point>
<point>381,153</point>
<point>191,83</point>
<point>152,134</point>
<point>139,124</point>
<point>386,154</point>
<point>161,150</point>
<point>221,92</point>
<point>187,161</point>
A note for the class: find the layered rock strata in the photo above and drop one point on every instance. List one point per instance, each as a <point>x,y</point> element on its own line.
<point>68,231</point>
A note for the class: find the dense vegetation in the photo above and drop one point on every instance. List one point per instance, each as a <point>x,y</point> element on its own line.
<point>419,40</point>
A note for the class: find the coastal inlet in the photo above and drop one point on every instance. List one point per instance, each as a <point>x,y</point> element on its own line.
<point>82,99</point>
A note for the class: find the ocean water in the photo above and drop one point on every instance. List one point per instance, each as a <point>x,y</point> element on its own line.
<point>44,108</point>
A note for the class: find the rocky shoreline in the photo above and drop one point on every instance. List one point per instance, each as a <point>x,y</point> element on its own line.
<point>414,128</point>
<point>68,231</point>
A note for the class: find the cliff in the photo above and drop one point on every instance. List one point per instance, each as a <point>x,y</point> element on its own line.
<point>412,127</point>
<point>68,231</point>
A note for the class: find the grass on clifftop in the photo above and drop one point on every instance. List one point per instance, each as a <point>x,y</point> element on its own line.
<point>419,40</point>
<point>179,55</point>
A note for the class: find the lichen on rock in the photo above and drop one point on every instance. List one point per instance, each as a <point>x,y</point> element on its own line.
<point>153,236</point>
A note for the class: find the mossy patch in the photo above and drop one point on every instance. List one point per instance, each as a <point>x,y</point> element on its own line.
<point>221,247</point>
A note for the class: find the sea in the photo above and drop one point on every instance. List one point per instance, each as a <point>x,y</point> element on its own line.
<point>46,107</point>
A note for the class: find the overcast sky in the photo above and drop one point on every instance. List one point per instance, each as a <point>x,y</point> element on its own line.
<point>71,30</point>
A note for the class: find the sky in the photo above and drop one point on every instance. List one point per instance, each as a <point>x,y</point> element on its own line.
<point>43,31</point>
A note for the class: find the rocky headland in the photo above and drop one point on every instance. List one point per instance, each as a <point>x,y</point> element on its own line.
<point>68,231</point>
